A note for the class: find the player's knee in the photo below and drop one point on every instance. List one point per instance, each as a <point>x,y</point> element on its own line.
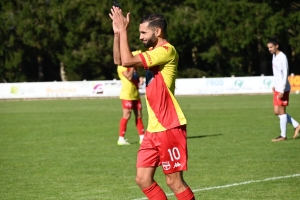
<point>127,115</point>
<point>170,182</point>
<point>142,182</point>
<point>138,180</point>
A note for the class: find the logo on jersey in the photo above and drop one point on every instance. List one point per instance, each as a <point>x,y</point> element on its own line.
<point>149,58</point>
<point>166,165</point>
<point>177,164</point>
<point>166,47</point>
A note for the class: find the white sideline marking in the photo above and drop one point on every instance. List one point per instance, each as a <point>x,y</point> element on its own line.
<point>235,184</point>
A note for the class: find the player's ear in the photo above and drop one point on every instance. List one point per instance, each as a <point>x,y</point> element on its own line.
<point>158,32</point>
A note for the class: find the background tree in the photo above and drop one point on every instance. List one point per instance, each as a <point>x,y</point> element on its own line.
<point>47,40</point>
<point>87,39</point>
<point>11,47</point>
<point>227,35</point>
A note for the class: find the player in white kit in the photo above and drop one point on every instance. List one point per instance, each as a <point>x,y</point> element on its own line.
<point>281,90</point>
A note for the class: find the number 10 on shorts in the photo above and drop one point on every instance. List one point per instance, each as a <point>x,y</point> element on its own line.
<point>174,154</point>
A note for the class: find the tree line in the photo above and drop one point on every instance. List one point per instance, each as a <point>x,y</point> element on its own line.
<point>70,40</point>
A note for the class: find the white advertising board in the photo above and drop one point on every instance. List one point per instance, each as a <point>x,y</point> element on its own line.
<point>232,85</point>
<point>192,86</point>
<point>60,89</point>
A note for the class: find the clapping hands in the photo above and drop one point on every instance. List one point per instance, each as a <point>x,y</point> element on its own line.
<point>120,23</point>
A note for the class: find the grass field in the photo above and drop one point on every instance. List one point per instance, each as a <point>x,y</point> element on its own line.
<point>66,149</point>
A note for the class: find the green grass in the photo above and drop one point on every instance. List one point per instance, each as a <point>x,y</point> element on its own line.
<point>66,149</point>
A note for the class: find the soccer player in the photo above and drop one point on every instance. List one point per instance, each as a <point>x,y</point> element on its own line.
<point>164,143</point>
<point>130,102</point>
<point>281,90</point>
<point>129,94</point>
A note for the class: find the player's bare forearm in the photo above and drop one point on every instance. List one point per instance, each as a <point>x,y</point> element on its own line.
<point>116,49</point>
<point>128,60</point>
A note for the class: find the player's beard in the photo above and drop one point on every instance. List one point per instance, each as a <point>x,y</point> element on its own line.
<point>151,42</point>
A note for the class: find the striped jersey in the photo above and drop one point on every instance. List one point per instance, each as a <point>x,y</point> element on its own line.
<point>164,111</point>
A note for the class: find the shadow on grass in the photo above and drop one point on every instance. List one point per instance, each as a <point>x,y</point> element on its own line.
<point>202,136</point>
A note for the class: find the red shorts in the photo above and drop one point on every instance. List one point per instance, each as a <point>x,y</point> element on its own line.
<point>167,148</point>
<point>132,104</point>
<point>284,101</point>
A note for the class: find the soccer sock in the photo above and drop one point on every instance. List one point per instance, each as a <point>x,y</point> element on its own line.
<point>283,122</point>
<point>123,126</point>
<point>185,195</point>
<point>154,192</point>
<point>139,126</point>
<point>292,121</point>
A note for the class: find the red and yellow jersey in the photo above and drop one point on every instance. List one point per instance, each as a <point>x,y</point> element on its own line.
<point>129,89</point>
<point>163,109</point>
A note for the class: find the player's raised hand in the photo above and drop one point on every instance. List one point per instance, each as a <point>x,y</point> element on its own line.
<point>115,28</point>
<point>119,20</point>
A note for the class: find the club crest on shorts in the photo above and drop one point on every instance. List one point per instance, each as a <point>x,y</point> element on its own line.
<point>166,165</point>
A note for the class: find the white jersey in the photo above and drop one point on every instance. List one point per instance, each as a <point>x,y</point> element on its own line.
<point>280,72</point>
